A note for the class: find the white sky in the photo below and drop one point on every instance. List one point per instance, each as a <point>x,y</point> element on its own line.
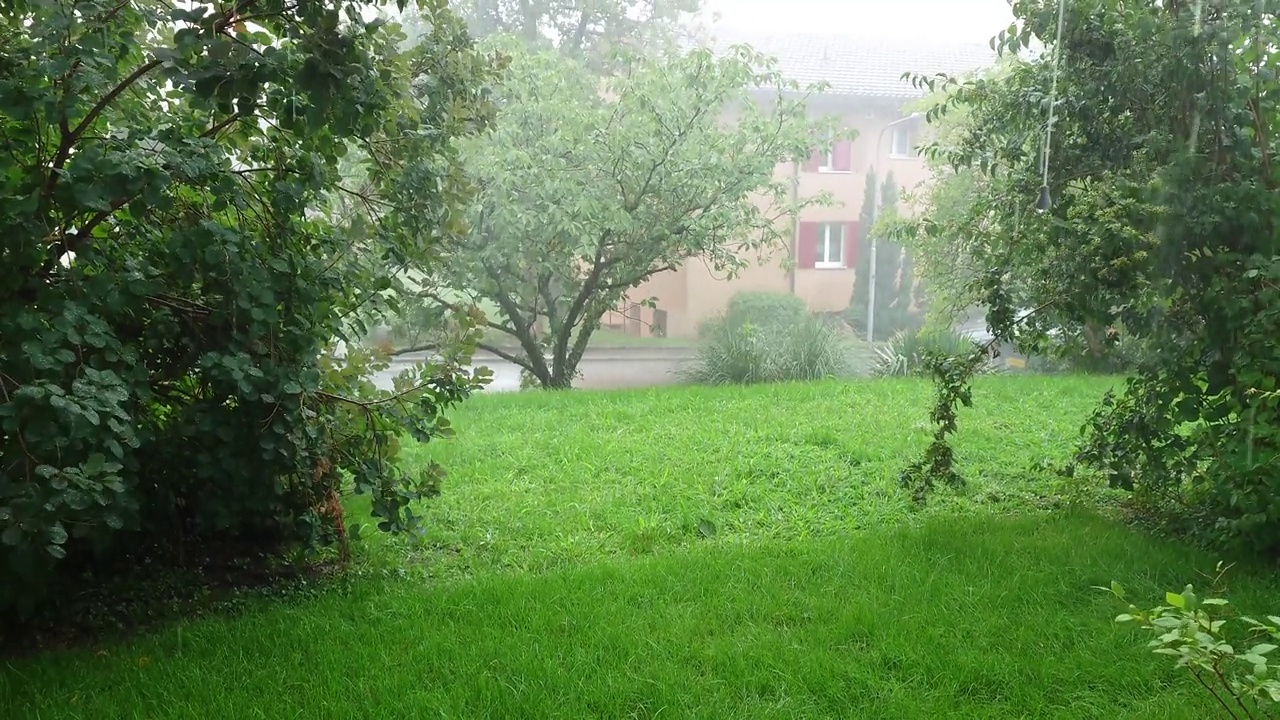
<point>956,20</point>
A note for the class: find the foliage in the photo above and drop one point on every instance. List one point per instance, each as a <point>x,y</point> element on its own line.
<point>952,376</point>
<point>1236,668</point>
<point>1163,221</point>
<point>765,309</point>
<point>895,280</point>
<point>1087,350</point>
<point>907,353</point>
<point>643,173</point>
<point>743,352</point>
<point>586,30</point>
<point>175,264</point>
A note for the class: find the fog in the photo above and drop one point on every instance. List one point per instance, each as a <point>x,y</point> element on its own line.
<point>824,259</point>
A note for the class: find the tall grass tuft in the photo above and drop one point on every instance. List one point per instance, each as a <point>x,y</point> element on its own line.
<point>906,353</point>
<point>743,353</point>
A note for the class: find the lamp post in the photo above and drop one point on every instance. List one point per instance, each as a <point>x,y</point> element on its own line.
<point>875,212</point>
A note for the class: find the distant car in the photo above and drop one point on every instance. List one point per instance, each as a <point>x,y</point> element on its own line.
<point>1010,357</point>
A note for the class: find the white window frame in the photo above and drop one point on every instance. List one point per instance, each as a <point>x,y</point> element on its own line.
<point>822,255</point>
<point>900,143</point>
<point>828,162</point>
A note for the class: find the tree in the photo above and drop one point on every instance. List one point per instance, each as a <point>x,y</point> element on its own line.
<point>894,278</point>
<point>588,30</point>
<point>856,315</point>
<point>175,266</point>
<point>643,172</point>
<point>1163,226</point>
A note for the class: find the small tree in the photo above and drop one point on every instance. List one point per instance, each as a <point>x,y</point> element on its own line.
<point>643,172</point>
<point>857,312</point>
<point>894,279</point>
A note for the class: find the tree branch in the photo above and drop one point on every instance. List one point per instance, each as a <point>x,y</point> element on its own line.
<point>509,357</point>
<point>219,127</point>
<point>70,137</point>
<point>370,404</point>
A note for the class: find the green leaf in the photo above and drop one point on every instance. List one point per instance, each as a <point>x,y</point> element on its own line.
<point>56,551</point>
<point>11,536</point>
<point>1262,648</point>
<point>93,464</point>
<point>57,534</point>
<point>1176,600</point>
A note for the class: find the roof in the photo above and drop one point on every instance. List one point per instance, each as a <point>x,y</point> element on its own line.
<point>860,66</point>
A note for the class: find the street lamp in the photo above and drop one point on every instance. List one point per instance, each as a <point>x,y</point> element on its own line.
<point>875,208</point>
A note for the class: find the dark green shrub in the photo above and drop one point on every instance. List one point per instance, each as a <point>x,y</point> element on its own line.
<point>1105,352</point>
<point>765,309</point>
<point>173,269</point>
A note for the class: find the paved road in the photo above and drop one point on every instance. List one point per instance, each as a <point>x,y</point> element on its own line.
<point>600,370</point>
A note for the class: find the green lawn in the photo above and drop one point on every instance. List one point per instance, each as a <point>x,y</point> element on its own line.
<point>820,593</point>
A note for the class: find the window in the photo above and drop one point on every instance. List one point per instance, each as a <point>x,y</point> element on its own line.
<point>830,246</point>
<point>828,162</point>
<point>901,143</point>
<point>836,158</point>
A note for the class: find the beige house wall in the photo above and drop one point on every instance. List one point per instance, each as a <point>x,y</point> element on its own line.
<point>695,292</point>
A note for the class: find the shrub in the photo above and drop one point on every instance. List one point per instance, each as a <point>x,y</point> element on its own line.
<point>907,351</point>
<point>1106,352</point>
<point>745,352</point>
<point>1235,662</point>
<point>172,273</point>
<point>764,309</point>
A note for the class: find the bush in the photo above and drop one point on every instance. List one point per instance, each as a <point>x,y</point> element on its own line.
<point>1108,352</point>
<point>1232,658</point>
<point>168,288</point>
<point>760,339</point>
<point>764,309</point>
<point>906,352</point>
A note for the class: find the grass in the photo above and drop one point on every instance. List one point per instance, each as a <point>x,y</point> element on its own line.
<point>566,575</point>
<point>545,481</point>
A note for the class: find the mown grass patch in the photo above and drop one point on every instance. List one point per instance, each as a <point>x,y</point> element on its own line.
<point>704,553</point>
<point>541,481</point>
<point>979,617</point>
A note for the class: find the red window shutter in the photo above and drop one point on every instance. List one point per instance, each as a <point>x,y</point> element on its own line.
<point>850,244</point>
<point>842,153</point>
<point>814,162</point>
<point>807,248</point>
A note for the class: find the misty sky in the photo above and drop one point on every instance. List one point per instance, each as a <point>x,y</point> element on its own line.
<point>958,20</point>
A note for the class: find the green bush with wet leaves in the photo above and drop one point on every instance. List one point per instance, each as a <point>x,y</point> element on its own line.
<point>765,337</point>
<point>1234,659</point>
<point>176,264</point>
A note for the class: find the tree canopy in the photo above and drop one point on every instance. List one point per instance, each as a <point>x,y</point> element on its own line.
<point>1163,226</point>
<point>589,186</point>
<point>586,30</point>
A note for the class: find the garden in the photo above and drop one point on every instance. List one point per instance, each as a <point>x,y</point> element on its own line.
<point>698,552</point>
<point>207,509</point>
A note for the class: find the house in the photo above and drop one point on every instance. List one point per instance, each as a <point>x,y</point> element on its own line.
<point>866,90</point>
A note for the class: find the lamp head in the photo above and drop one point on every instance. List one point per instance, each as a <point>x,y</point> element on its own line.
<point>1045,201</point>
